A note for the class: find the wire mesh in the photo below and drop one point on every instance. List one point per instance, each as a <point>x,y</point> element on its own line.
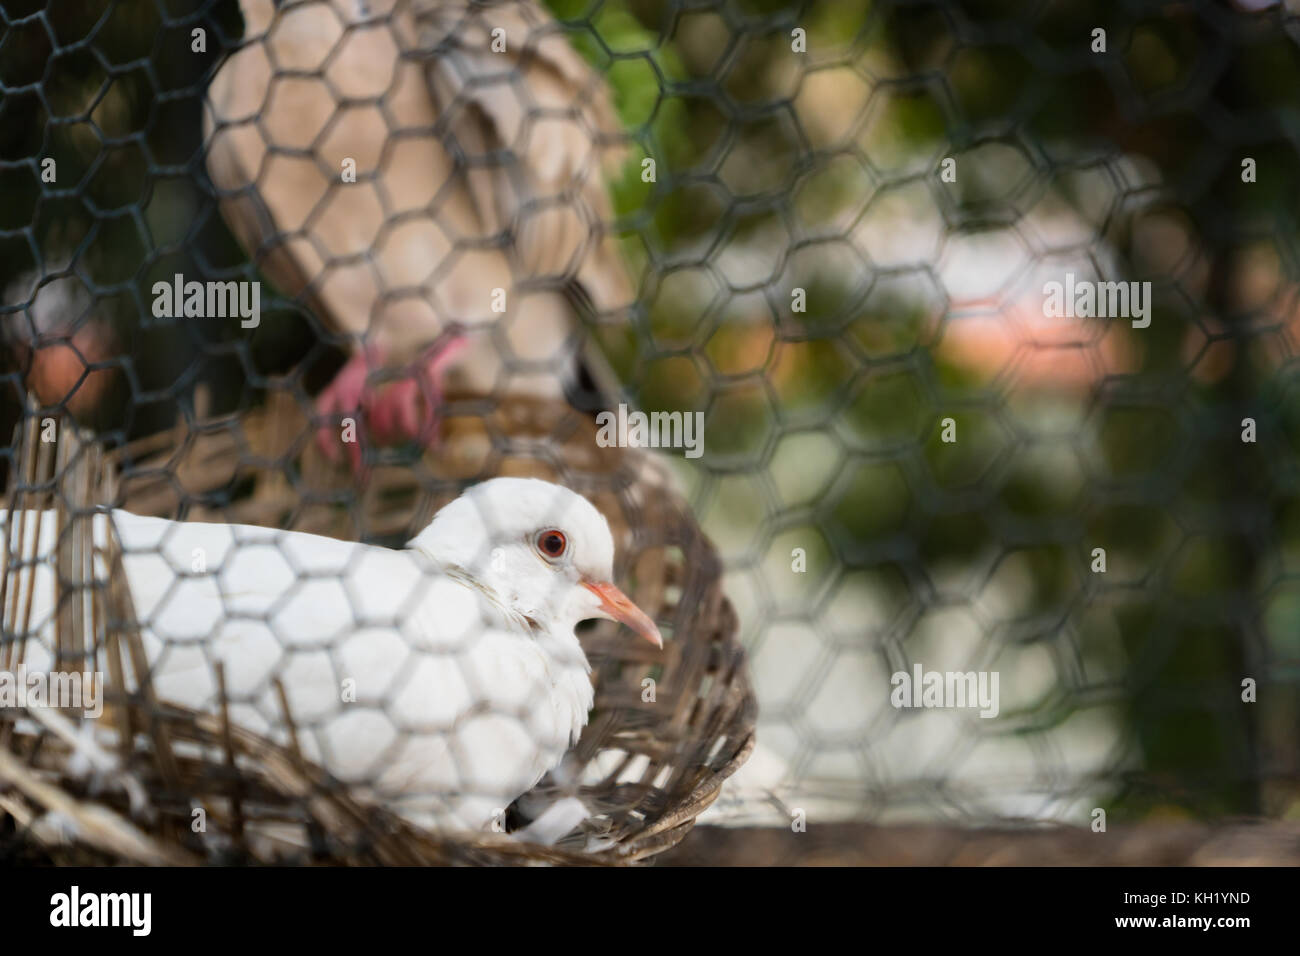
<point>852,236</point>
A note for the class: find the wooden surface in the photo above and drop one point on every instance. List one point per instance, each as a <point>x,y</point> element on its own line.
<point>1264,843</point>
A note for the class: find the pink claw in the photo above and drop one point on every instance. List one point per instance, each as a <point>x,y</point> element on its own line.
<point>394,412</point>
<point>342,398</point>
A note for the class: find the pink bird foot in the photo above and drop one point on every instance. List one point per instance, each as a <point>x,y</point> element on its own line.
<point>397,411</point>
<point>341,399</point>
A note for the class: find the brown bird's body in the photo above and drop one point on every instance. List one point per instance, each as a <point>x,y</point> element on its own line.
<point>475,216</point>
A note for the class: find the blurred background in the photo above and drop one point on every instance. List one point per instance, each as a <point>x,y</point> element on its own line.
<point>800,146</point>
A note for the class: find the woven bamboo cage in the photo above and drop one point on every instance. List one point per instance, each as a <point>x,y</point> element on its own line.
<point>645,771</point>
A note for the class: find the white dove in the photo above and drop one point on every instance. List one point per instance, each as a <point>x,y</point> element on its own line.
<point>444,679</point>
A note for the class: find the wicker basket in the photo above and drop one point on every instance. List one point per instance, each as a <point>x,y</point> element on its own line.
<point>661,762</point>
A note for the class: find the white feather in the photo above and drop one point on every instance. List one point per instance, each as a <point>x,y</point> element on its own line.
<point>468,681</point>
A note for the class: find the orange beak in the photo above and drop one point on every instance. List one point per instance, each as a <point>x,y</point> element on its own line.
<point>618,607</point>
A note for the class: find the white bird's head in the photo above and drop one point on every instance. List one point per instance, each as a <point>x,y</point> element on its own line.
<point>540,550</point>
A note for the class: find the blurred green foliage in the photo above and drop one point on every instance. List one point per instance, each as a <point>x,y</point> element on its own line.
<point>1149,464</point>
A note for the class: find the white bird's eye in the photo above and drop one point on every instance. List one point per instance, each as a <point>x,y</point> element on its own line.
<point>552,543</point>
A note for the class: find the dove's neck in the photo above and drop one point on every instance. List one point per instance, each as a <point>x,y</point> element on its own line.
<point>529,599</point>
<point>547,633</point>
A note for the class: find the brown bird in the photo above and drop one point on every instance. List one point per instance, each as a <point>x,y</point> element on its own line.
<point>427,176</point>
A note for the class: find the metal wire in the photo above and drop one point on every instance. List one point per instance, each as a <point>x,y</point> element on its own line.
<point>839,224</point>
